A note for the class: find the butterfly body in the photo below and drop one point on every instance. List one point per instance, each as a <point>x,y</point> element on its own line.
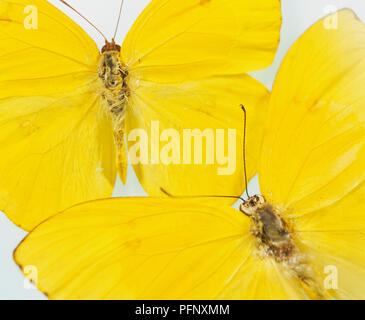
<point>113,74</point>
<point>275,239</point>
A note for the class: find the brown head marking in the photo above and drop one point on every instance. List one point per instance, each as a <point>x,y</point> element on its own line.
<point>111,46</point>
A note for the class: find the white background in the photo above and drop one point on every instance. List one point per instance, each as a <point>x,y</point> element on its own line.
<point>298,15</point>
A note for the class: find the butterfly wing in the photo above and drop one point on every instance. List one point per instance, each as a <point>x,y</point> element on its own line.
<point>55,148</point>
<point>313,155</point>
<point>187,79</point>
<point>334,237</point>
<point>206,105</point>
<point>313,152</point>
<point>148,249</point>
<point>175,40</point>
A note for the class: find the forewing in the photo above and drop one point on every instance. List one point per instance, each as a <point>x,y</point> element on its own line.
<point>175,40</point>
<point>313,153</point>
<point>56,144</point>
<point>136,249</point>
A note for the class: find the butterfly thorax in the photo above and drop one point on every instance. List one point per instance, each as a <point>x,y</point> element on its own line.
<point>113,75</point>
<point>274,239</point>
<point>269,229</point>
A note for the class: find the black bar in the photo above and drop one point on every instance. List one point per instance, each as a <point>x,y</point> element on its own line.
<point>250,310</point>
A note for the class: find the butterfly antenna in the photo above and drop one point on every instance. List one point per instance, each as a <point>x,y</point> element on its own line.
<point>120,13</point>
<point>88,21</point>
<point>197,197</point>
<point>244,148</point>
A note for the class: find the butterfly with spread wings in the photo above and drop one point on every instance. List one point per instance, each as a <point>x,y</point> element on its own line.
<point>65,107</point>
<point>304,237</point>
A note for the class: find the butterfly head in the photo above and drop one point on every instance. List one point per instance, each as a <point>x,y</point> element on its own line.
<point>111,46</point>
<point>251,206</point>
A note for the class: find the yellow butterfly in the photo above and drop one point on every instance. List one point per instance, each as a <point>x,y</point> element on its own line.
<point>65,108</point>
<point>304,238</point>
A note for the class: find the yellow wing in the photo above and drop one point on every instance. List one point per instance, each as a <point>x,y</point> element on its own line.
<point>313,155</point>
<point>149,249</point>
<point>334,237</point>
<point>175,40</point>
<point>213,41</point>
<point>171,110</point>
<point>55,147</point>
<point>313,152</point>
